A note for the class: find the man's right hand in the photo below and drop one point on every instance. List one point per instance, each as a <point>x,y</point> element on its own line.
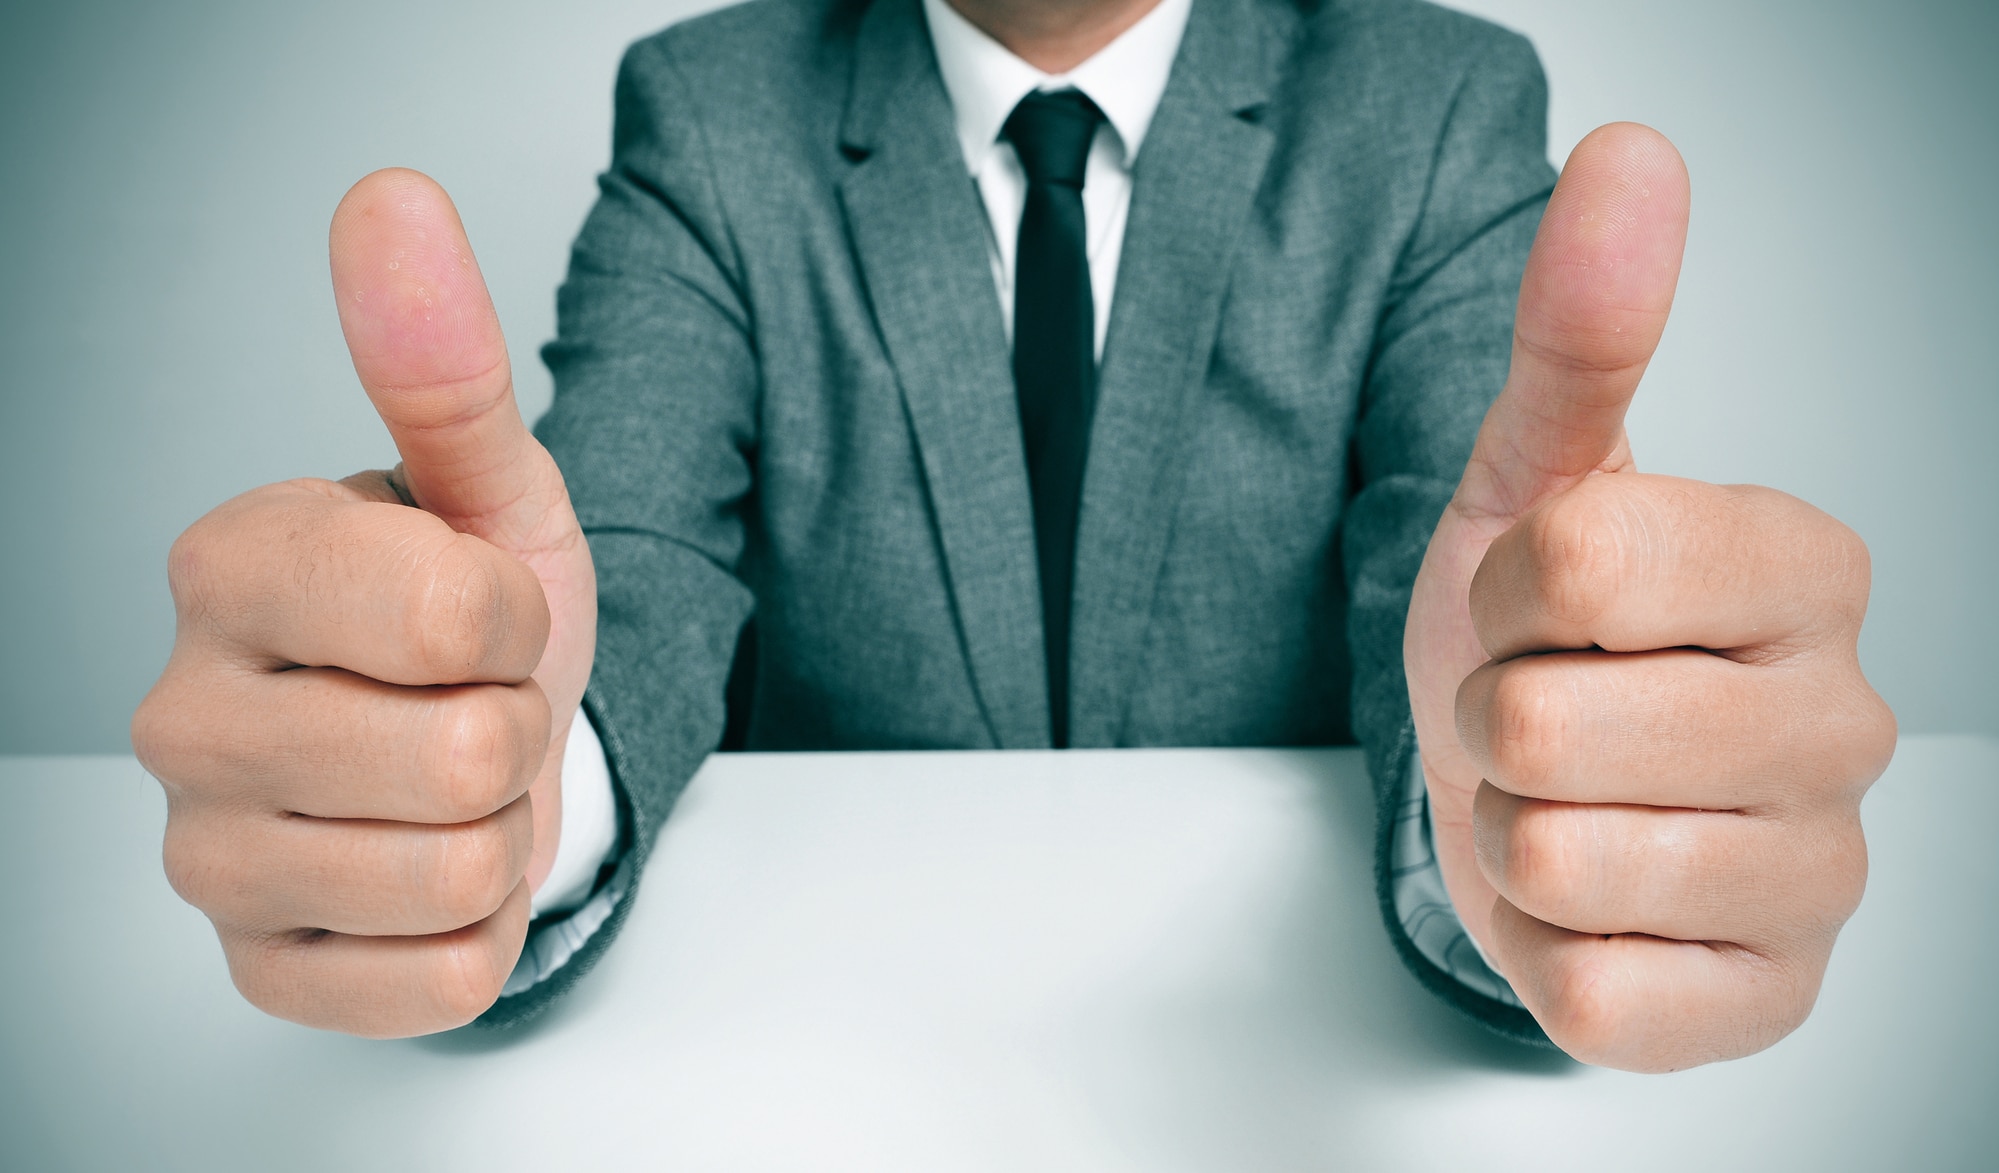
<point>360,730</point>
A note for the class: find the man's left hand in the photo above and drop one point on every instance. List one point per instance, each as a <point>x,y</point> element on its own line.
<point>1638,701</point>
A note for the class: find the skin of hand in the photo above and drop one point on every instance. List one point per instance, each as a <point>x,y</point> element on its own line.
<point>360,729</point>
<point>1638,700</point>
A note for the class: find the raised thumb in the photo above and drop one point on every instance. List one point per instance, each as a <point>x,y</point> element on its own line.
<point>1593,303</point>
<point>426,344</point>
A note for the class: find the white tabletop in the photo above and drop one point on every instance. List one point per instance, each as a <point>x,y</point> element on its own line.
<point>1153,961</point>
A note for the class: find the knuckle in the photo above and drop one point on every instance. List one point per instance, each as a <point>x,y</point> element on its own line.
<point>193,869</point>
<point>1530,727</point>
<point>1576,556</point>
<point>1545,862</point>
<point>1826,558</point>
<point>207,866</point>
<point>207,563</point>
<point>157,731</point>
<point>182,733</point>
<point>456,613</point>
<point>1853,566</point>
<point>469,974</point>
<point>1837,877</point>
<point>191,565</point>
<point>1766,996</point>
<point>474,872</point>
<point>1854,733</point>
<point>275,973</point>
<point>1585,1011</point>
<point>1853,548</point>
<point>476,754</point>
<point>259,973</point>
<point>1875,733</point>
<point>1847,882</point>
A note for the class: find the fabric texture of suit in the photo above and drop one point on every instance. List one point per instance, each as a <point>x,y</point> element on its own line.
<point>783,392</point>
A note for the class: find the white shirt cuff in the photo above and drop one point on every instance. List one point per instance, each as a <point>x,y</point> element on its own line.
<point>589,823</point>
<point>571,898</point>
<point>1423,905</point>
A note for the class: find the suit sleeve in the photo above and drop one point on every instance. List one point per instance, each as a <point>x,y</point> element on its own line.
<point>1440,356</point>
<point>654,427</point>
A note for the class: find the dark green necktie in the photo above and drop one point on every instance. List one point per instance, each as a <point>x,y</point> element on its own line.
<point>1054,352</point>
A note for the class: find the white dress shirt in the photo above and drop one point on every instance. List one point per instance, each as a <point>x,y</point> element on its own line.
<point>985,81</point>
<point>589,822</point>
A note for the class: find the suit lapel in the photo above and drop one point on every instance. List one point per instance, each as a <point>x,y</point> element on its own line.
<point>1194,183</point>
<point>919,233</point>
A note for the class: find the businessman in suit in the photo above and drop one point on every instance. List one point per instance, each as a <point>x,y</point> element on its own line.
<point>1029,373</point>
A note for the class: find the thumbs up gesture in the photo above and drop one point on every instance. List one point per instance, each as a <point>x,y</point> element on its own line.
<point>360,730</point>
<point>1641,716</point>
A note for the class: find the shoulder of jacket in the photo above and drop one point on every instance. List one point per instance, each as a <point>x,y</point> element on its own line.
<point>742,42</point>
<point>1412,31</point>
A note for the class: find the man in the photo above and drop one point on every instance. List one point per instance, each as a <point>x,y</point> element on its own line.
<point>1138,437</point>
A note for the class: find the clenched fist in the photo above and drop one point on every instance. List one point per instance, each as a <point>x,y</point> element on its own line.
<point>360,730</point>
<point>1641,715</point>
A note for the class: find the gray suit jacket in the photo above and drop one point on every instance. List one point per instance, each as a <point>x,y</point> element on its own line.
<point>783,393</point>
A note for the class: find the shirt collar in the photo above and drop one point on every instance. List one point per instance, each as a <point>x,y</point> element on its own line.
<point>985,81</point>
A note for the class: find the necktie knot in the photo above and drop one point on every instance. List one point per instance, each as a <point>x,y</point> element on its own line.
<point>1052,135</point>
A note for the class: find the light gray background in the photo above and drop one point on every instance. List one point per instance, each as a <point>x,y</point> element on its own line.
<point>167,338</point>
